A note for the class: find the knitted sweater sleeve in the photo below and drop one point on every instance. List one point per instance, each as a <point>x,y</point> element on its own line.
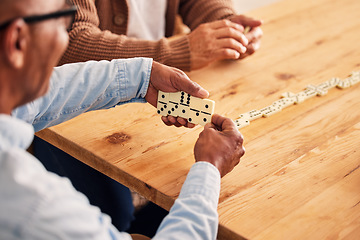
<point>89,42</point>
<point>196,12</point>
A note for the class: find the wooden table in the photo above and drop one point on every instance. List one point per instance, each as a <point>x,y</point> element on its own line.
<point>300,176</point>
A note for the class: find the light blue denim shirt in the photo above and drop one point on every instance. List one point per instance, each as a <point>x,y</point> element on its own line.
<point>37,204</point>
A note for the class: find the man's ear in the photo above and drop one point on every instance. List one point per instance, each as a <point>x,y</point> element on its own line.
<point>15,43</point>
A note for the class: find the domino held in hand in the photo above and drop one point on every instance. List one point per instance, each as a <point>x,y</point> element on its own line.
<point>181,104</point>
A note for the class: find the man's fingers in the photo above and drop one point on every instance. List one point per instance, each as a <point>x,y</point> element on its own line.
<point>254,35</point>
<point>229,43</point>
<point>176,121</point>
<point>247,21</point>
<point>217,120</point>
<point>223,123</point>
<point>166,121</point>
<point>252,23</point>
<point>225,23</point>
<point>169,79</point>
<point>183,83</point>
<point>225,53</point>
<point>184,122</point>
<point>230,33</point>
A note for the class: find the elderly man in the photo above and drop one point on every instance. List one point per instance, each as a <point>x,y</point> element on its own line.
<point>36,204</point>
<point>110,29</point>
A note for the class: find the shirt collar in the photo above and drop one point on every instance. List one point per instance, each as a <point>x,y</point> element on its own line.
<point>15,133</point>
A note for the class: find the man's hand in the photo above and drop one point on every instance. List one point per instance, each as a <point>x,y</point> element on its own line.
<point>169,79</point>
<point>216,40</point>
<point>220,143</point>
<point>253,36</point>
<point>224,39</point>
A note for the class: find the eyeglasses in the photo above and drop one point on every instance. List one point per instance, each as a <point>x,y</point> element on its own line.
<point>37,18</point>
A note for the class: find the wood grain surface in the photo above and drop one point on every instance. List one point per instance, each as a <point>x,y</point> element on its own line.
<point>300,176</point>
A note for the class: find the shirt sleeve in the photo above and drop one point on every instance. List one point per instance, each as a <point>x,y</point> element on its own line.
<point>194,214</point>
<point>81,87</point>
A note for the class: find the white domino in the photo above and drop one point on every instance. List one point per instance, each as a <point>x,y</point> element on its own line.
<point>319,90</point>
<point>288,95</point>
<point>354,78</point>
<point>173,109</point>
<point>294,97</point>
<point>203,110</point>
<point>344,83</point>
<point>194,116</point>
<point>284,102</point>
<point>300,97</point>
<point>242,122</point>
<point>325,86</point>
<point>163,97</point>
<point>252,115</point>
<point>333,82</point>
<point>174,104</point>
<point>162,103</point>
<point>270,110</point>
<point>181,104</point>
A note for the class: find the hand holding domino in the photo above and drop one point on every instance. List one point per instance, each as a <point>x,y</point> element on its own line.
<point>169,79</point>
<point>181,104</point>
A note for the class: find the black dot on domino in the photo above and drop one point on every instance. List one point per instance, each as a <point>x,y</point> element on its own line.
<point>205,119</point>
<point>176,106</point>
<point>158,111</point>
<point>190,119</point>
<point>163,96</point>
<point>197,114</point>
<point>169,112</point>
<point>173,109</point>
<point>183,111</point>
<point>206,106</point>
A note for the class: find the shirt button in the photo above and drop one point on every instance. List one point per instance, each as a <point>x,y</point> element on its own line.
<point>119,19</point>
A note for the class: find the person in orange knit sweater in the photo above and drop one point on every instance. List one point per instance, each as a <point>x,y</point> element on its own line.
<point>108,29</point>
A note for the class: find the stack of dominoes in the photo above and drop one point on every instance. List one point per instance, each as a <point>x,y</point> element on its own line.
<point>290,98</point>
<point>181,104</point>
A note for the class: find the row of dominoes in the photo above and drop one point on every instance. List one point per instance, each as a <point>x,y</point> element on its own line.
<point>181,104</point>
<point>289,98</point>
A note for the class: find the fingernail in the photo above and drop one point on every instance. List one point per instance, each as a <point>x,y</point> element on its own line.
<point>181,121</point>
<point>240,27</point>
<point>164,119</point>
<point>243,49</point>
<point>246,41</point>
<point>173,121</point>
<point>203,92</point>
